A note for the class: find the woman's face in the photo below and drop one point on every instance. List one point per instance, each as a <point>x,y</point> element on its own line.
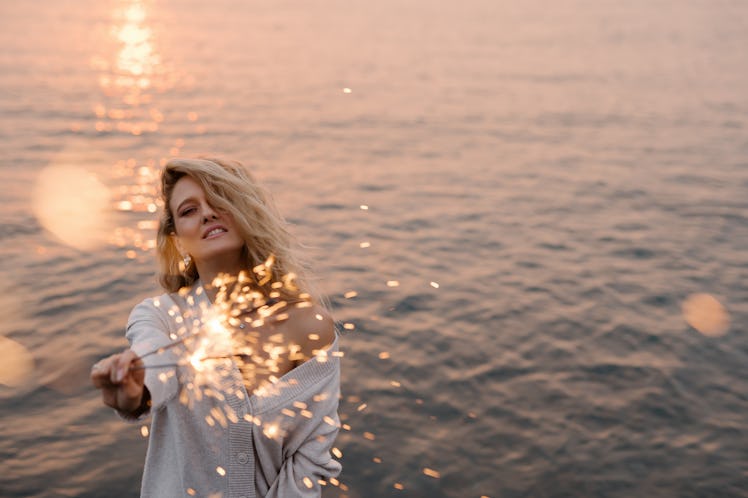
<point>207,234</point>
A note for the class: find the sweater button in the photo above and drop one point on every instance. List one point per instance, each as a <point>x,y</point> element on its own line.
<point>242,458</point>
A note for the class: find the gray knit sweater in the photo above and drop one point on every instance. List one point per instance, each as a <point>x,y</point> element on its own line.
<point>230,444</point>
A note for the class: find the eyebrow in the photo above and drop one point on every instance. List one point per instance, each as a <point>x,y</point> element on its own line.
<point>189,199</point>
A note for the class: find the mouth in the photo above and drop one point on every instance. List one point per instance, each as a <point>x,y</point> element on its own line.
<point>214,231</point>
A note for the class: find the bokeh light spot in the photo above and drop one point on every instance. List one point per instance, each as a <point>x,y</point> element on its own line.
<point>16,362</point>
<point>73,205</point>
<point>707,315</point>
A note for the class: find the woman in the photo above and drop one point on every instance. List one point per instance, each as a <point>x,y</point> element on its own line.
<point>236,364</point>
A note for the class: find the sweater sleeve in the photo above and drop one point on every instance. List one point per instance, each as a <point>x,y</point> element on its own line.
<point>306,457</point>
<point>148,330</point>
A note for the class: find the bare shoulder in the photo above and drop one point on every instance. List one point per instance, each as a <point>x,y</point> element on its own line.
<point>312,328</point>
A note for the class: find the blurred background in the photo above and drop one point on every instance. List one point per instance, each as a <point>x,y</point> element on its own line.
<point>531,215</point>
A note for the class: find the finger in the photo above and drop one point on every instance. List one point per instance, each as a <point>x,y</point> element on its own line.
<point>124,362</point>
<point>100,373</point>
<point>113,368</point>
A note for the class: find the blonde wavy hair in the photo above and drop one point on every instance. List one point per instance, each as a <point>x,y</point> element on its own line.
<point>229,187</point>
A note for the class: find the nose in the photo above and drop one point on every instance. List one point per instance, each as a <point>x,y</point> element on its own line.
<point>209,213</point>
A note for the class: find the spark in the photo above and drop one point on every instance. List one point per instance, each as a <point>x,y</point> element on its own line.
<point>337,453</point>
<point>376,460</point>
<point>364,207</point>
<point>431,473</point>
<point>384,355</point>
<point>144,431</point>
<point>361,407</point>
<point>349,326</point>
<point>364,245</point>
<point>191,491</point>
<point>399,486</point>
<point>347,90</point>
<point>334,481</point>
<point>395,383</point>
<point>221,471</point>
<point>393,283</point>
<point>435,285</point>
<point>308,483</point>
<point>369,436</point>
<point>350,294</point>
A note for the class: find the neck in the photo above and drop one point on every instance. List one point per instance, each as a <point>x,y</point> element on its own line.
<point>208,272</point>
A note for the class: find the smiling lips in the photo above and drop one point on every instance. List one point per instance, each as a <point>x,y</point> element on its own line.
<point>215,230</point>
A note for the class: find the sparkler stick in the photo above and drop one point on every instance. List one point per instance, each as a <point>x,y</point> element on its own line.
<point>174,365</point>
<point>161,349</point>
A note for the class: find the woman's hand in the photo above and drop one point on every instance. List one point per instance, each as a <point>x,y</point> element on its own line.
<point>120,378</point>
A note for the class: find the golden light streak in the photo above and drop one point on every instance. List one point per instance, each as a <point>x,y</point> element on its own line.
<point>16,363</point>
<point>369,436</point>
<point>435,285</point>
<point>706,314</point>
<point>364,207</point>
<point>395,383</point>
<point>393,283</point>
<point>338,454</point>
<point>334,481</point>
<point>144,431</point>
<point>399,486</point>
<point>191,491</point>
<point>349,326</point>
<point>431,473</point>
<point>220,471</point>
<point>329,421</point>
<point>376,460</point>
<point>384,355</point>
<point>361,407</point>
<point>308,482</point>
<point>347,90</point>
<point>364,245</point>
<point>350,294</point>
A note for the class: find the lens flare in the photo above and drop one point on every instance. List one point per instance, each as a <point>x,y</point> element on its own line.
<point>73,205</point>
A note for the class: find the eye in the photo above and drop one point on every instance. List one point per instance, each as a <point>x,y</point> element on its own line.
<point>187,212</point>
